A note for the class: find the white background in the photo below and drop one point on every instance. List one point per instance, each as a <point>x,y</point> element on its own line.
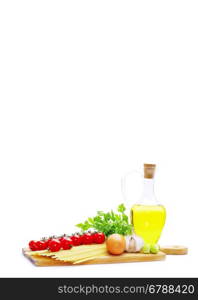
<point>90,90</point>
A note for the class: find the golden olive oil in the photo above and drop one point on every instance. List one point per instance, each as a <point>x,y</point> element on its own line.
<point>148,221</point>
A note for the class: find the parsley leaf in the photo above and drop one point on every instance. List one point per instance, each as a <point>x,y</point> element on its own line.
<point>109,222</point>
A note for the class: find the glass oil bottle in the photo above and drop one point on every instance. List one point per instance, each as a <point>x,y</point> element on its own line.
<point>148,216</point>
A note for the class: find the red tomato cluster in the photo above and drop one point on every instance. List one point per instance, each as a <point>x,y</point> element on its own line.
<point>65,243</point>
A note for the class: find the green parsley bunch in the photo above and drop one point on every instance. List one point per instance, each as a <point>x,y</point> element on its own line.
<point>109,223</point>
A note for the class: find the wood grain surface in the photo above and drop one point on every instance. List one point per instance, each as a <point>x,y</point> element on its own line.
<point>174,250</point>
<point>106,259</point>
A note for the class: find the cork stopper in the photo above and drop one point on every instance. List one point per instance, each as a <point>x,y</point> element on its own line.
<point>149,171</point>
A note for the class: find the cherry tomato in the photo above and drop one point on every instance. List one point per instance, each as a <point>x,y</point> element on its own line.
<point>87,239</point>
<point>66,243</point>
<point>54,245</point>
<point>98,237</point>
<point>47,242</point>
<point>76,240</point>
<point>42,245</point>
<point>33,246</point>
<point>61,238</point>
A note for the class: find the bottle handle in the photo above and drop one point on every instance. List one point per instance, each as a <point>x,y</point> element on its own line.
<point>124,182</point>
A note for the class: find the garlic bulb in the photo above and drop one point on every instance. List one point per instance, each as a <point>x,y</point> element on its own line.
<point>134,243</point>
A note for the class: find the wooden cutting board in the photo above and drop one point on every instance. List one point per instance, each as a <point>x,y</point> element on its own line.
<point>106,259</point>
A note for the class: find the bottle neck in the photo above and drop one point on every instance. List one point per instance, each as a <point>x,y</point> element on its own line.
<point>148,196</point>
<point>148,188</point>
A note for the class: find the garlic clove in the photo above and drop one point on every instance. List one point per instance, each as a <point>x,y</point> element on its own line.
<point>130,244</point>
<point>134,243</point>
